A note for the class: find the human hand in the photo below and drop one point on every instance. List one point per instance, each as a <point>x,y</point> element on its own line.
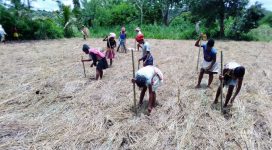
<point>200,35</point>
<point>221,77</point>
<point>91,65</point>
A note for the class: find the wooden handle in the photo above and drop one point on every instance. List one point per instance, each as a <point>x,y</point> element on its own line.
<point>221,88</point>
<point>198,55</point>
<point>83,67</point>
<point>134,92</point>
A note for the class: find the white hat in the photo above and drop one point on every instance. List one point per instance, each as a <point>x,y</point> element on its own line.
<point>137,29</point>
<point>112,35</point>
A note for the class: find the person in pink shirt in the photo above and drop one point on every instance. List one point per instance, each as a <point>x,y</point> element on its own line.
<point>98,58</point>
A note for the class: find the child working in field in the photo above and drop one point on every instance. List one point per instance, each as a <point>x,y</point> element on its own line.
<point>122,39</point>
<point>233,75</point>
<point>150,78</point>
<point>111,44</point>
<point>209,65</point>
<point>96,56</point>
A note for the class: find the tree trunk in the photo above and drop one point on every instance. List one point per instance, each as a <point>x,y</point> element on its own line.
<point>165,18</point>
<point>142,16</point>
<point>28,4</point>
<point>221,22</point>
<point>222,18</point>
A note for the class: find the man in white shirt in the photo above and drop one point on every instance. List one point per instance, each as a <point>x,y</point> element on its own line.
<point>150,78</point>
<point>233,75</point>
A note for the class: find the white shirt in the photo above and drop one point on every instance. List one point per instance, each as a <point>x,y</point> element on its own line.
<point>231,65</point>
<point>148,72</point>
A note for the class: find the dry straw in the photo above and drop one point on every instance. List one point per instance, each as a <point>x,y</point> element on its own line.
<point>46,103</point>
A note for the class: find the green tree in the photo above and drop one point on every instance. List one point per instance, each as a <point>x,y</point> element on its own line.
<point>267,19</point>
<point>170,9</point>
<point>17,4</point>
<point>217,10</point>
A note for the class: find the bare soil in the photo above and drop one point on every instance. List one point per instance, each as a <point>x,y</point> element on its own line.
<point>46,103</point>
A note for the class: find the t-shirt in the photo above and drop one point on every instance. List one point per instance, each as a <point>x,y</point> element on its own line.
<point>148,72</point>
<point>111,43</point>
<point>208,55</point>
<point>146,47</point>
<point>95,53</point>
<point>231,66</point>
<point>123,36</point>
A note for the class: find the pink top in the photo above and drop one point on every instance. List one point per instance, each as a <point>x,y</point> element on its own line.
<point>97,52</point>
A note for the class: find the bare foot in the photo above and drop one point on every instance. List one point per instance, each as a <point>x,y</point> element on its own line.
<point>149,110</point>
<point>209,87</point>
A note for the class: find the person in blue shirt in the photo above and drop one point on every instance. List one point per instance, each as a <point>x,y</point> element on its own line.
<point>122,39</point>
<point>209,65</point>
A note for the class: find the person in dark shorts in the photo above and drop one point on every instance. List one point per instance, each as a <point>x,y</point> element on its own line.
<point>147,58</point>
<point>98,58</point>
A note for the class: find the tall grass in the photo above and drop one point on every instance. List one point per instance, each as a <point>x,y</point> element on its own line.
<point>262,33</point>
<point>149,31</point>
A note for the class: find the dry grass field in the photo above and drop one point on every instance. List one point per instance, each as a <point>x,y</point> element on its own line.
<point>46,103</point>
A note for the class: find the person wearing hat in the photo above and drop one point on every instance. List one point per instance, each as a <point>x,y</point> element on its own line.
<point>96,56</point>
<point>122,39</point>
<point>138,32</point>
<point>145,45</point>
<point>233,74</point>
<point>209,64</point>
<point>85,32</point>
<point>111,44</point>
<point>150,78</point>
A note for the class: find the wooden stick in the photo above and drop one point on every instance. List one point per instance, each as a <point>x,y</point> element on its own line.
<point>138,65</point>
<point>198,55</point>
<point>83,67</point>
<point>134,92</point>
<point>221,88</point>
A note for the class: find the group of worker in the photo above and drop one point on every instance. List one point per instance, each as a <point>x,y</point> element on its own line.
<point>150,77</point>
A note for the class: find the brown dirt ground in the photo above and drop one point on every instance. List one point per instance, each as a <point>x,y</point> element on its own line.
<point>46,103</point>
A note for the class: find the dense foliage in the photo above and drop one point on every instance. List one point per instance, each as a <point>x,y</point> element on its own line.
<point>170,19</point>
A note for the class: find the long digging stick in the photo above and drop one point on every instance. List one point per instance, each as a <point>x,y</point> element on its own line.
<point>221,88</point>
<point>134,92</point>
<point>198,55</point>
<point>83,67</point>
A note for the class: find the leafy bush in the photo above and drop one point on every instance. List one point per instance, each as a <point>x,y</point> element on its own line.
<point>262,33</point>
<point>267,19</point>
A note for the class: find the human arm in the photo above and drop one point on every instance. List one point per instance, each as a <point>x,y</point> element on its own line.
<point>146,58</point>
<point>105,39</point>
<point>239,85</point>
<point>222,76</point>
<point>197,42</point>
<point>156,73</point>
<point>84,60</point>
